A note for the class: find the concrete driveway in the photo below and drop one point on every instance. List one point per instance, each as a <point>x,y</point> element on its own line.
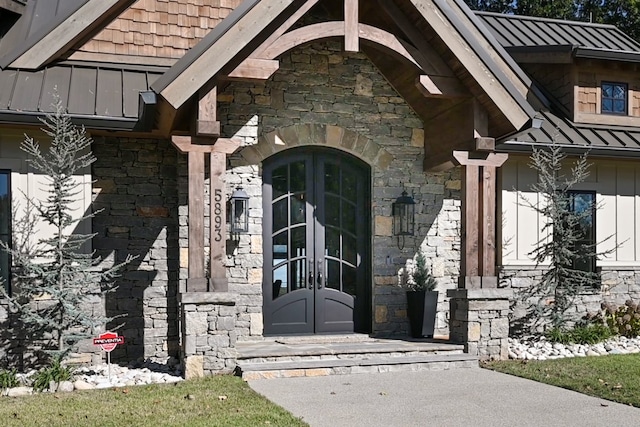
<point>458,397</point>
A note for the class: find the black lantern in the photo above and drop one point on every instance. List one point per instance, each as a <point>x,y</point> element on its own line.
<point>239,211</point>
<point>404,216</point>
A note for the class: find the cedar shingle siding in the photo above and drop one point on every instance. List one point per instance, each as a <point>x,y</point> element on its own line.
<point>160,28</point>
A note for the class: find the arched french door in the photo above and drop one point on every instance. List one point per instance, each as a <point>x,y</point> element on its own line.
<point>317,243</point>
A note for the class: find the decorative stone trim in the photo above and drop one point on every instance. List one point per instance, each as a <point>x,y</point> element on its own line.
<point>480,320</point>
<point>208,322</point>
<point>322,135</point>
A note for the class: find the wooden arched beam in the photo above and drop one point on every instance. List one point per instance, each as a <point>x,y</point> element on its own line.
<point>327,30</point>
<point>262,64</point>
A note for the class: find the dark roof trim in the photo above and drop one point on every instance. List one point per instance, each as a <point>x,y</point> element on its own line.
<point>527,147</point>
<point>444,5</point>
<point>573,51</point>
<point>604,54</point>
<point>210,39</point>
<point>90,122</point>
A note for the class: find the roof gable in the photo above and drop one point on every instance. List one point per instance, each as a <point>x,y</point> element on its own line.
<point>226,47</point>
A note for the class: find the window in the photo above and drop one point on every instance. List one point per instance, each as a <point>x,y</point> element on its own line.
<point>584,204</point>
<point>614,98</point>
<point>5,224</point>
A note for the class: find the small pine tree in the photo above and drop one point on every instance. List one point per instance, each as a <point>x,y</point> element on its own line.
<point>421,278</point>
<point>55,278</point>
<point>555,294</point>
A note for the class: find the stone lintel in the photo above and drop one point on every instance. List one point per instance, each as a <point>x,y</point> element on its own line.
<point>473,294</point>
<point>220,298</point>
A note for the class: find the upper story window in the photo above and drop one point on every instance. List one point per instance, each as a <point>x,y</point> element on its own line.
<point>614,98</point>
<point>5,224</point>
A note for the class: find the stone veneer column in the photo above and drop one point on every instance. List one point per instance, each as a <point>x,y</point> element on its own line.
<point>479,319</point>
<point>208,322</point>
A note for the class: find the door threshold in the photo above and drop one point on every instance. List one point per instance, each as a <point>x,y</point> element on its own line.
<point>322,339</point>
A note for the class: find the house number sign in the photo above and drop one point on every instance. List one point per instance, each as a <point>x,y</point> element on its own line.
<point>217,217</point>
<point>217,214</point>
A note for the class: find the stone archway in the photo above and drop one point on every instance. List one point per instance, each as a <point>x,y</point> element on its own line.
<point>337,137</point>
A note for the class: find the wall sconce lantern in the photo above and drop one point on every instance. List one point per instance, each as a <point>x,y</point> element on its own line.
<point>239,211</point>
<point>404,217</point>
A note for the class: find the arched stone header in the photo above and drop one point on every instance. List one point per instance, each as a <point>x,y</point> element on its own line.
<point>318,135</point>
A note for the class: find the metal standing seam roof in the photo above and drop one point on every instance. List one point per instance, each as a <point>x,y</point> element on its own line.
<point>513,31</point>
<point>98,96</point>
<point>599,140</point>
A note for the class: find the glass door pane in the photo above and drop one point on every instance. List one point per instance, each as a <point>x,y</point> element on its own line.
<point>289,217</point>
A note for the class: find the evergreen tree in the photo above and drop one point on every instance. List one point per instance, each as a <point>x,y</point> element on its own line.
<point>499,6</point>
<point>55,279</point>
<point>553,298</point>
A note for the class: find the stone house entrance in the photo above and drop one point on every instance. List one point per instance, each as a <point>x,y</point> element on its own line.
<point>316,233</point>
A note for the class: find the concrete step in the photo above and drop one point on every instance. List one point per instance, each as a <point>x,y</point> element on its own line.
<point>278,358</point>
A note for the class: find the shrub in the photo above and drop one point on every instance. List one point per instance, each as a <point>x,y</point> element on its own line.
<point>55,372</point>
<point>8,379</point>
<point>623,320</point>
<point>581,334</point>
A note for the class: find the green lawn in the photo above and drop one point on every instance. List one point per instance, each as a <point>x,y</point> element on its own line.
<point>212,401</point>
<point>615,378</point>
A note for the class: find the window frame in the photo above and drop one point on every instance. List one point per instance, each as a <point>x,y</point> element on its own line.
<point>9,234</point>
<point>625,86</point>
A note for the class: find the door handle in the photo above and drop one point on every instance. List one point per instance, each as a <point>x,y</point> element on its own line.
<point>310,276</point>
<point>319,280</point>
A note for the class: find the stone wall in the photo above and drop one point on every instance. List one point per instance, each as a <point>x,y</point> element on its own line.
<point>617,287</point>
<point>136,189</point>
<point>480,321</point>
<point>321,85</point>
<point>208,322</point>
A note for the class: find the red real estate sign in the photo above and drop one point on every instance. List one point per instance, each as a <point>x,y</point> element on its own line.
<point>108,341</point>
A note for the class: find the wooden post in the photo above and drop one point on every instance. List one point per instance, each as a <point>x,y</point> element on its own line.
<point>478,251</point>
<point>351,31</point>
<point>470,220</point>
<point>207,123</point>
<point>196,148</point>
<point>196,222</point>
<point>488,223</point>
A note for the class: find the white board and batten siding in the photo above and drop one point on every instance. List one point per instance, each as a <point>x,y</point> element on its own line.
<point>617,187</point>
<point>25,182</point>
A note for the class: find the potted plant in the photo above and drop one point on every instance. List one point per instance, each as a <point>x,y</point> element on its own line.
<point>422,299</point>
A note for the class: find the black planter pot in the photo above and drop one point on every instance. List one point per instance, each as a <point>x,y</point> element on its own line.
<point>421,309</point>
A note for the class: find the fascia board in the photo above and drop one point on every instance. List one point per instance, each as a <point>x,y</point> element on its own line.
<point>52,43</point>
<point>480,65</point>
<point>177,87</point>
